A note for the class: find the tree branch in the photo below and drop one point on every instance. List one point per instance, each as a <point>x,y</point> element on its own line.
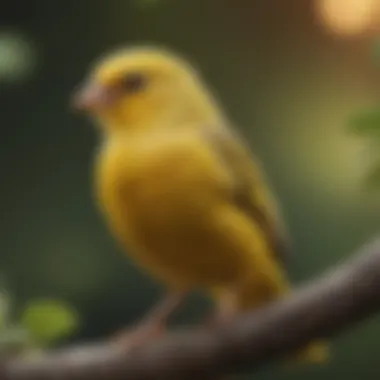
<point>320,309</point>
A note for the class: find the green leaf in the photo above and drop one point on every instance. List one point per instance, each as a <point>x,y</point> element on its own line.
<point>48,320</point>
<point>366,123</point>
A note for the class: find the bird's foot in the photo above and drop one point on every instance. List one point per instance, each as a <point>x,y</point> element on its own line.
<point>225,312</point>
<point>217,320</point>
<point>139,336</point>
<point>152,327</point>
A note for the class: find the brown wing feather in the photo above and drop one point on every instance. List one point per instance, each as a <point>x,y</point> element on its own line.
<point>251,195</point>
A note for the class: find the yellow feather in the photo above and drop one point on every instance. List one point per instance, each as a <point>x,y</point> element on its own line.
<point>192,210</point>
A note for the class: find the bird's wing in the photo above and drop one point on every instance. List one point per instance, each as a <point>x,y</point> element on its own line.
<point>251,194</point>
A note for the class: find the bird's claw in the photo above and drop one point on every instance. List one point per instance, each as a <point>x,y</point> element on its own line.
<point>132,339</point>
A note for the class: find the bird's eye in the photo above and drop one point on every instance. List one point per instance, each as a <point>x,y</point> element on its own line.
<point>134,82</point>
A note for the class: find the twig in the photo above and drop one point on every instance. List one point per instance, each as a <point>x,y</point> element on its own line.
<point>318,310</point>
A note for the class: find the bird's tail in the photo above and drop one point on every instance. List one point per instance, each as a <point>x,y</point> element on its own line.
<point>256,293</point>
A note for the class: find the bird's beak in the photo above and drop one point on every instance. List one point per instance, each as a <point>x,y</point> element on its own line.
<point>93,96</point>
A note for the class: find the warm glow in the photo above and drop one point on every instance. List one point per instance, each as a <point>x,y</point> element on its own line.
<point>349,17</point>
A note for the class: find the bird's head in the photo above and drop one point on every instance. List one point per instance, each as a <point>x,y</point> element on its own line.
<point>142,88</point>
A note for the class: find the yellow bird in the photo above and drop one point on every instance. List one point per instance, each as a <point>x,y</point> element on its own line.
<point>180,190</point>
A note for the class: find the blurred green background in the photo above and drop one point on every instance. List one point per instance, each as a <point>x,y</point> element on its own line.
<point>291,83</point>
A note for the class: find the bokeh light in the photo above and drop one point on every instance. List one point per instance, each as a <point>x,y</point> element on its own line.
<point>18,57</point>
<point>349,17</point>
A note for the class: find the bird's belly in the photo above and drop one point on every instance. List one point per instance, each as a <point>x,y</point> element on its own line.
<point>175,234</point>
<point>166,218</point>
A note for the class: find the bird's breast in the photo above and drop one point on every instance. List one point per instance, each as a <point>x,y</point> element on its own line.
<point>155,187</point>
<point>163,200</point>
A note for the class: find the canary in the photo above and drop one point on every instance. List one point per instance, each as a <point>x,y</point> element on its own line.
<point>180,190</point>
